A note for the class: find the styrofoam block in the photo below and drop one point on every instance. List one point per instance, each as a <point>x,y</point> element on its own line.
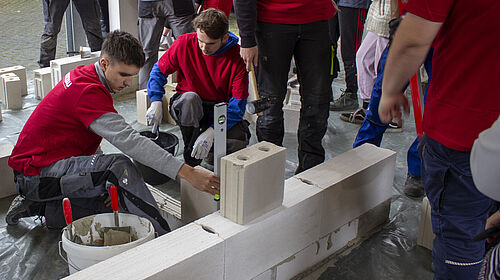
<point>19,71</point>
<point>291,116</point>
<point>43,82</point>
<point>2,84</point>
<point>256,247</point>
<point>252,181</point>
<point>354,182</point>
<point>189,252</point>
<point>120,14</point>
<point>7,185</point>
<point>60,67</point>
<point>317,251</point>
<point>195,203</point>
<point>425,235</point>
<point>12,89</point>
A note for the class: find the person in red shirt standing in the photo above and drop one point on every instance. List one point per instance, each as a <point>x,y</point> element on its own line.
<point>57,153</point>
<point>463,99</point>
<point>221,5</point>
<point>209,71</point>
<point>272,31</point>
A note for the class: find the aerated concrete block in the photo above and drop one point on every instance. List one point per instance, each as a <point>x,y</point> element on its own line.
<point>354,183</point>
<point>425,235</point>
<point>252,182</point>
<point>169,92</point>
<point>7,185</point>
<point>195,204</point>
<point>43,82</point>
<point>143,104</point>
<point>12,90</point>
<point>291,116</point>
<point>20,72</point>
<point>60,67</point>
<point>253,248</point>
<point>2,85</point>
<point>189,252</point>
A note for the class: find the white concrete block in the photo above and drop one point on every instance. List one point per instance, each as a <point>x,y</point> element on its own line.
<point>354,183</point>
<point>172,78</point>
<point>7,186</point>
<point>19,71</point>
<point>195,204</point>
<point>291,116</point>
<point>258,246</point>
<point>43,82</point>
<point>187,253</point>
<point>252,182</point>
<point>425,236</point>
<point>60,67</point>
<point>12,89</point>
<point>169,92</point>
<point>2,84</point>
<point>123,16</point>
<point>143,103</point>
<point>294,98</point>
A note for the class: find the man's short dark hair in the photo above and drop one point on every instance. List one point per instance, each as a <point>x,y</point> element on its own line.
<point>123,47</point>
<point>213,22</point>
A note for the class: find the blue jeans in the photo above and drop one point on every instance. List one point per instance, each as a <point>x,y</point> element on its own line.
<point>458,211</point>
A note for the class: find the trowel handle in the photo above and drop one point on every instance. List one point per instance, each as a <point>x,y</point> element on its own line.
<point>68,216</point>
<point>114,197</point>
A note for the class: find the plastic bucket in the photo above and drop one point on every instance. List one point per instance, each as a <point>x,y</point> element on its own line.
<point>166,141</point>
<point>90,231</point>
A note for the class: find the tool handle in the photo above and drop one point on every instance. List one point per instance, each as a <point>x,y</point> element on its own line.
<point>417,105</point>
<point>114,197</point>
<point>68,216</point>
<point>254,82</point>
<point>493,232</point>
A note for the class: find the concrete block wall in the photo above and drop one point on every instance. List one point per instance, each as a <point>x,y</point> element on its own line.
<point>277,245</point>
<point>20,72</point>
<point>12,88</point>
<point>252,182</point>
<point>60,67</point>
<point>43,82</point>
<point>7,186</point>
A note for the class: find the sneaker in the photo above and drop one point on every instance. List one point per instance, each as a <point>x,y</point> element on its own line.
<point>347,101</point>
<point>356,117</point>
<point>394,127</point>
<point>20,208</point>
<point>413,186</point>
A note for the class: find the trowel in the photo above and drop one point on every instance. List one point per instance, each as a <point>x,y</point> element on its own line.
<point>116,235</point>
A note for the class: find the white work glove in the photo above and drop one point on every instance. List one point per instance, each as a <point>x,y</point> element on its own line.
<point>154,114</point>
<point>203,144</point>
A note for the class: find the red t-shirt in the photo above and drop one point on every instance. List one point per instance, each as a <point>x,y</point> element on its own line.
<point>214,77</point>
<point>464,94</point>
<point>58,128</point>
<point>294,11</point>
<point>222,5</point>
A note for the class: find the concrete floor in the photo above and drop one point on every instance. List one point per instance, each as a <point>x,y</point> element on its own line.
<point>30,251</point>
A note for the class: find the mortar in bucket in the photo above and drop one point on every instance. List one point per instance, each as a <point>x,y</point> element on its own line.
<point>166,141</point>
<point>87,247</point>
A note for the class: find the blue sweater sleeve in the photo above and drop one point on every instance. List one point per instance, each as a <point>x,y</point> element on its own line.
<point>235,111</point>
<point>156,83</point>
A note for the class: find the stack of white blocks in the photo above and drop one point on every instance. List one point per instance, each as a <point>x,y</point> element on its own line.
<point>60,67</point>
<point>143,103</point>
<point>11,91</point>
<point>7,186</point>
<point>43,82</point>
<point>324,210</point>
<point>20,72</point>
<point>252,182</point>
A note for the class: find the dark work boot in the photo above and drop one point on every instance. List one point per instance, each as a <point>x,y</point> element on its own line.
<point>346,102</point>
<point>21,208</point>
<point>413,186</point>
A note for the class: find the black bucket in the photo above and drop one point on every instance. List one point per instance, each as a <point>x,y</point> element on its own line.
<point>166,141</point>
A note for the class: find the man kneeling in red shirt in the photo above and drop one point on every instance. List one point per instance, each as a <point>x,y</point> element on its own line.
<point>56,155</point>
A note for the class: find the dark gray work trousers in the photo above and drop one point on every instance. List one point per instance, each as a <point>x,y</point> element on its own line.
<point>53,12</point>
<point>309,44</point>
<point>84,180</point>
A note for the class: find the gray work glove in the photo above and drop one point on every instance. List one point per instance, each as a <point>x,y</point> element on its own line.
<point>154,114</point>
<point>203,144</point>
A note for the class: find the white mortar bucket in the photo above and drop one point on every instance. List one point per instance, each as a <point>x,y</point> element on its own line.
<point>90,231</point>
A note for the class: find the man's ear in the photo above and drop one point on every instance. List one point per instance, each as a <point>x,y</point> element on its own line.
<point>104,63</point>
<point>226,36</point>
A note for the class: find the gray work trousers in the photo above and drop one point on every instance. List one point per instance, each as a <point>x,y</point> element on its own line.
<point>151,29</point>
<point>53,12</point>
<point>84,180</point>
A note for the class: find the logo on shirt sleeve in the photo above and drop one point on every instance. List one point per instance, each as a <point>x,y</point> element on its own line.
<point>67,81</point>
